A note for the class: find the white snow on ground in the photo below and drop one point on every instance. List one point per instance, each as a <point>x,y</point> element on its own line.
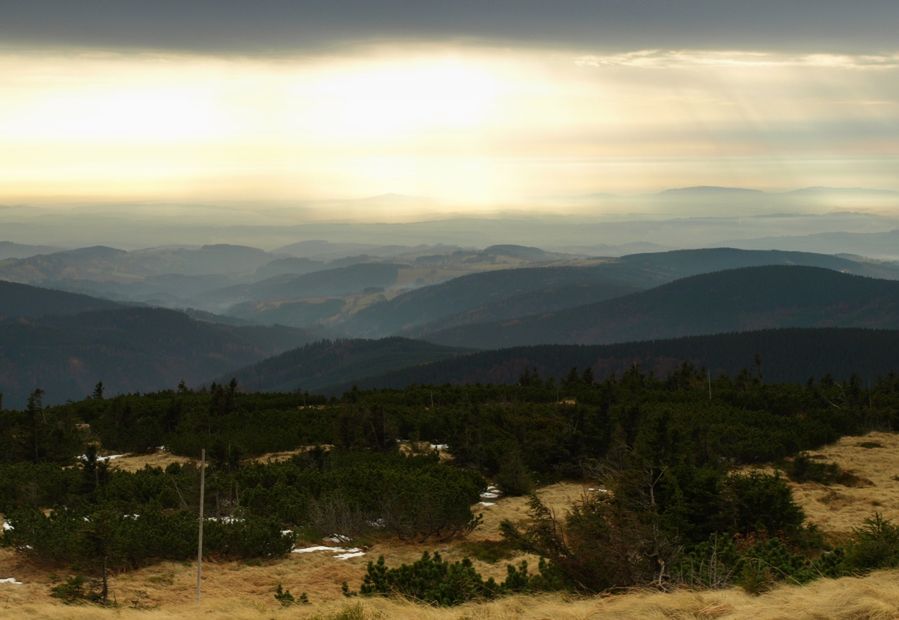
<point>440,447</point>
<point>11,581</point>
<point>102,459</point>
<point>6,526</point>
<point>597,490</point>
<point>486,503</point>
<point>315,548</point>
<point>343,553</point>
<point>226,520</point>
<point>491,493</point>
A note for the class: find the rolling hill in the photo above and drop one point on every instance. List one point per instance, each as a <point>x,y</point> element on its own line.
<point>10,249</point>
<point>327,363</point>
<point>785,355</point>
<point>329,282</point>
<point>876,244</point>
<point>512,293</point>
<point>745,299</point>
<point>129,349</point>
<point>21,300</point>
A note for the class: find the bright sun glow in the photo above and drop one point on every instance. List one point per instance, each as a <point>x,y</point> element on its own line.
<point>462,125</point>
<point>396,99</point>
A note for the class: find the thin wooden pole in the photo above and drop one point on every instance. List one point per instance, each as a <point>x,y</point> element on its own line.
<point>200,535</point>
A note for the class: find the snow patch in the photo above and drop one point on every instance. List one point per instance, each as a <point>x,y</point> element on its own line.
<point>342,553</point>
<point>486,503</point>
<point>11,581</point>
<point>226,520</point>
<point>491,493</point>
<point>103,459</point>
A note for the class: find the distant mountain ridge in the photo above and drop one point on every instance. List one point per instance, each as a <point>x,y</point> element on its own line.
<point>743,299</point>
<point>326,363</point>
<point>22,300</point>
<point>10,249</point>
<point>495,295</point>
<point>128,349</point>
<point>793,355</point>
<point>875,244</point>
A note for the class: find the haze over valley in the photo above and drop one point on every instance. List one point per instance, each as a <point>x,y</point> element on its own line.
<point>511,309</point>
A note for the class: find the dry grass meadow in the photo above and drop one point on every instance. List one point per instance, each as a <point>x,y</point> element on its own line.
<point>836,509</point>
<point>245,590</point>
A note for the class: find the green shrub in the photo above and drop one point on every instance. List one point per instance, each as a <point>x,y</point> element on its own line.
<point>430,580</point>
<point>803,468</point>
<point>286,598</point>
<point>513,476</point>
<point>435,581</point>
<point>874,545</point>
<point>761,503</point>
<point>76,589</point>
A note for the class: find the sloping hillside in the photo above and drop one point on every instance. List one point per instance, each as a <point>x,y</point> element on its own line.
<point>340,281</point>
<point>726,301</point>
<point>9,249</point>
<point>132,349</point>
<point>785,355</point>
<point>21,300</point>
<point>512,293</point>
<point>327,363</point>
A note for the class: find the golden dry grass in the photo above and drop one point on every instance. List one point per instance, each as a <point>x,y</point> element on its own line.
<point>160,458</point>
<point>169,585</point>
<point>872,597</point>
<point>245,590</point>
<point>837,509</point>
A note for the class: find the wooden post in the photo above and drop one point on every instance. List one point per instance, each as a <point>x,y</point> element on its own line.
<point>200,535</point>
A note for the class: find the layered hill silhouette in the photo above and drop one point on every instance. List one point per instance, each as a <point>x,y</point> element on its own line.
<point>128,349</point>
<point>340,281</point>
<point>331,362</point>
<point>333,367</point>
<point>792,355</point>
<point>745,299</point>
<point>21,300</point>
<point>10,249</point>
<point>496,295</point>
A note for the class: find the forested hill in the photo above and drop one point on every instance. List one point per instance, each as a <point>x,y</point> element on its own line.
<point>518,292</point>
<point>21,300</point>
<point>791,355</point>
<point>327,363</point>
<point>130,349</point>
<point>733,300</point>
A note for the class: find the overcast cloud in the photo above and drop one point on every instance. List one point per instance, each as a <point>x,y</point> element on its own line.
<point>284,26</point>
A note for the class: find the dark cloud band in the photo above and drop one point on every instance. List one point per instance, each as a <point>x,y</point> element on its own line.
<point>281,26</point>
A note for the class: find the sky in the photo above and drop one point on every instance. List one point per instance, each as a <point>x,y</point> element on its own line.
<point>471,104</point>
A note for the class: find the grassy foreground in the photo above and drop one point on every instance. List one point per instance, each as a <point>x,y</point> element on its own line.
<point>245,590</point>
<point>872,597</point>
